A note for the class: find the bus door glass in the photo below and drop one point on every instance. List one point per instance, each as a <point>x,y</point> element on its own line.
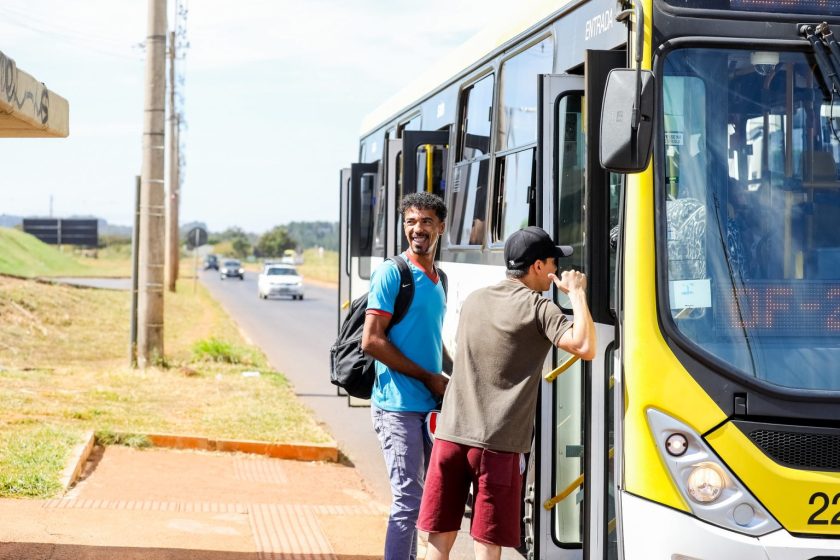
<point>426,171</point>
<point>344,247</point>
<point>363,181</point>
<point>394,194</point>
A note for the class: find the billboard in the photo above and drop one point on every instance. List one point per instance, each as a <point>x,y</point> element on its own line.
<point>57,231</point>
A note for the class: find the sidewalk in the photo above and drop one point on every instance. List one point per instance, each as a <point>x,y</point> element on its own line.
<point>164,504</point>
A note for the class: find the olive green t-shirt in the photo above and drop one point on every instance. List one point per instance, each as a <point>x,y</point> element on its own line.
<point>504,334</point>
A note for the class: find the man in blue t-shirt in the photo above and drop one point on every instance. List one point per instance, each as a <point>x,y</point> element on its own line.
<point>409,361</point>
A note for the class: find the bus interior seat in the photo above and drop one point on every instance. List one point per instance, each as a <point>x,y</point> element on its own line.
<point>823,170</point>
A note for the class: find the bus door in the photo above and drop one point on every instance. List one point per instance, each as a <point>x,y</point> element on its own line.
<point>363,184</point>
<point>343,247</point>
<point>424,171</point>
<point>573,485</point>
<point>553,494</point>
<point>360,189</point>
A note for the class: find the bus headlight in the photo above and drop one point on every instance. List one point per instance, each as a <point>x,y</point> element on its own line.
<point>707,485</point>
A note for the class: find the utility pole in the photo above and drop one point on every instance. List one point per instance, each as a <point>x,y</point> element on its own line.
<point>173,237</point>
<point>152,199</point>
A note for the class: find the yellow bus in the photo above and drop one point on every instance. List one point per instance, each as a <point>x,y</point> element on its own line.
<point>688,150</point>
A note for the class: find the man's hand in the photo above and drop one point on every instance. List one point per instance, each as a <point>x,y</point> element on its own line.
<point>569,280</point>
<point>436,383</point>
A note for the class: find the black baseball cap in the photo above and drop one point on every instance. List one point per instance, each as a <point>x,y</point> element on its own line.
<point>530,244</point>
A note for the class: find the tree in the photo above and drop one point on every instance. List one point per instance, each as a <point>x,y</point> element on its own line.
<point>315,234</point>
<point>272,243</point>
<point>241,246</point>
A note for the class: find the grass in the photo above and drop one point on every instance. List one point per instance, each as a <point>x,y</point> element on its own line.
<point>64,370</point>
<point>31,457</point>
<point>215,350</point>
<point>24,255</point>
<point>320,267</point>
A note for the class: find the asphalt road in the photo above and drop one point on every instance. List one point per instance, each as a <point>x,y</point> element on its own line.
<point>296,336</point>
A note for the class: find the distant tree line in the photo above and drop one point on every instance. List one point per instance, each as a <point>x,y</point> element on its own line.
<point>272,244</point>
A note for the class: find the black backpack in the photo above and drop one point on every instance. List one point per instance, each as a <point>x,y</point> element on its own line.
<point>350,368</point>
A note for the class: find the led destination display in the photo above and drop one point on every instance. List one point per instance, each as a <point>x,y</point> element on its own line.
<point>796,308</point>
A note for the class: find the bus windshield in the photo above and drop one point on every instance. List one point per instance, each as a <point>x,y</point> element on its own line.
<point>814,7</point>
<point>751,203</point>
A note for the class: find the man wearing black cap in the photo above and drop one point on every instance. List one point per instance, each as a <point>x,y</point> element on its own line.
<point>487,419</point>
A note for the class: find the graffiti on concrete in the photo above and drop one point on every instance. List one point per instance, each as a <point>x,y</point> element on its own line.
<point>40,97</point>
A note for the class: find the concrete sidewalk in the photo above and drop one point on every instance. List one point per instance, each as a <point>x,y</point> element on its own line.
<point>165,504</point>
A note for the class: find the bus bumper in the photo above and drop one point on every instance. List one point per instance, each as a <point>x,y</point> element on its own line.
<point>655,532</point>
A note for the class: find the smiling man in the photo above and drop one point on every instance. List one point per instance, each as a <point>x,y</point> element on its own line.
<point>409,361</point>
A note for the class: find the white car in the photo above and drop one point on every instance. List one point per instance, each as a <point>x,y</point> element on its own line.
<point>280,280</point>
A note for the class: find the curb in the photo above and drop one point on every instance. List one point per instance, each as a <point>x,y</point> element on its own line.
<point>294,451</point>
<point>77,460</point>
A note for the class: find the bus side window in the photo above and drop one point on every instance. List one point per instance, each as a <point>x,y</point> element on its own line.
<point>515,198</point>
<point>469,183</point>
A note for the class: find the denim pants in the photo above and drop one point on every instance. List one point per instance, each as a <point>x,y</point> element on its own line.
<point>406,451</point>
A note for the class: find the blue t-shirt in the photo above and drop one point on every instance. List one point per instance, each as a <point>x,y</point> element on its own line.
<point>417,335</point>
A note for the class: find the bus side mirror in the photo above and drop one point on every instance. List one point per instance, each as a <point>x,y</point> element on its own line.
<point>626,133</point>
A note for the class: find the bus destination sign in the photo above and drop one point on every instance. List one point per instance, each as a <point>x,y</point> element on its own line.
<point>796,308</point>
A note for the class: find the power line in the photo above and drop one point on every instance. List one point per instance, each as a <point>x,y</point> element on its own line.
<point>110,46</point>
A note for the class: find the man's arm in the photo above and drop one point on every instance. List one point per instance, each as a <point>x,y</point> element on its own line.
<point>580,339</point>
<point>376,344</point>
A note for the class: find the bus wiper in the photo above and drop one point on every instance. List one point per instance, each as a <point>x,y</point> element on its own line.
<point>833,48</point>
<point>825,65</point>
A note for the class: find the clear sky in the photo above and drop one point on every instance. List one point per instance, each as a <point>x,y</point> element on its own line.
<point>275,92</point>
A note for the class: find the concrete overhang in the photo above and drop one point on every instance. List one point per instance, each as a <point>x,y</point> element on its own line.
<point>27,108</point>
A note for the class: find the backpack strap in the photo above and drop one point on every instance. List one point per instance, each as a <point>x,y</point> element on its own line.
<point>406,293</point>
<point>444,280</point>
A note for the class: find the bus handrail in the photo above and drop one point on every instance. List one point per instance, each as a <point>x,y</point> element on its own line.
<point>552,375</point>
<point>576,483</point>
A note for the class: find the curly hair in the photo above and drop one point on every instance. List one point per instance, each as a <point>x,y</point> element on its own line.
<point>424,201</point>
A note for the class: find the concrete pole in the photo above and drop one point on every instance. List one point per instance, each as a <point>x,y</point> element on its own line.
<point>172,233</point>
<point>152,199</point>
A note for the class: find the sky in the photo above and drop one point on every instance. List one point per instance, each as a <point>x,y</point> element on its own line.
<point>274,93</point>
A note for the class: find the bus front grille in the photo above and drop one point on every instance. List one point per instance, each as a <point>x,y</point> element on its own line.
<point>798,447</point>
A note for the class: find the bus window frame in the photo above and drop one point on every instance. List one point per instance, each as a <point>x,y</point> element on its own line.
<point>496,192</point>
<point>459,161</point>
<point>357,172</point>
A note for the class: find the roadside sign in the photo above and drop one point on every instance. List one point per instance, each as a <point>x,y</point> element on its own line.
<point>57,231</point>
<point>196,237</point>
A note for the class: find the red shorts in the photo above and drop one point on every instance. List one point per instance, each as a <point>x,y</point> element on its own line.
<point>497,489</point>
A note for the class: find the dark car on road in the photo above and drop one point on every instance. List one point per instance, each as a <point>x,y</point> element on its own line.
<point>211,262</point>
<point>232,268</point>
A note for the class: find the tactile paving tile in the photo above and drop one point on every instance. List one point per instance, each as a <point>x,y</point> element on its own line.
<point>288,533</point>
<point>281,532</point>
<point>259,470</point>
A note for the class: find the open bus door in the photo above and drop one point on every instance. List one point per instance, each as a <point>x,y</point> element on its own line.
<point>343,247</point>
<point>424,171</point>
<point>570,492</point>
<point>359,190</point>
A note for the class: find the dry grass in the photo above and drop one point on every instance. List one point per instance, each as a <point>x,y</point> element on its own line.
<point>320,267</point>
<point>63,368</point>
